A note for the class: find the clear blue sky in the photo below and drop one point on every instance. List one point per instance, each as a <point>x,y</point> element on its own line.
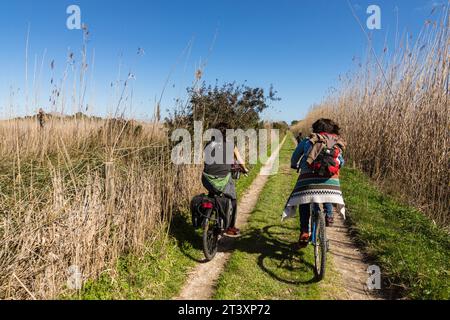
<point>299,46</point>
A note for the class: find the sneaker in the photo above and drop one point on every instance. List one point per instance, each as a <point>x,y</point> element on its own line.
<point>329,221</point>
<point>233,232</point>
<point>304,240</point>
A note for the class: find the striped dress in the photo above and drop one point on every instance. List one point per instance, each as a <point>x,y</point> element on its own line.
<point>311,188</point>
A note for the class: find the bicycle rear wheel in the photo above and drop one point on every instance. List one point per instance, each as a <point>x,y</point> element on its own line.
<point>320,244</point>
<point>210,235</point>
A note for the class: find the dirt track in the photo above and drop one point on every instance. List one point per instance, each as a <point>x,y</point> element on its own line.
<point>349,262</point>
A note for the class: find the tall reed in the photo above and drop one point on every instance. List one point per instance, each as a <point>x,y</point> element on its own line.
<point>77,195</point>
<point>395,114</point>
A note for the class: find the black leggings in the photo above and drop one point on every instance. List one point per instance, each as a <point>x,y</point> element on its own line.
<point>234,214</point>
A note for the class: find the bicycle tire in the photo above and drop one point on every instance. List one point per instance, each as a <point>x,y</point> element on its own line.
<point>210,236</point>
<point>320,247</point>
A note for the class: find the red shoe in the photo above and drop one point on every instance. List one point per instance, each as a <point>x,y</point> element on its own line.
<point>304,240</point>
<point>233,232</point>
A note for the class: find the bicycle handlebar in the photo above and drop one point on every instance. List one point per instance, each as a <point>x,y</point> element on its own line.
<point>237,169</point>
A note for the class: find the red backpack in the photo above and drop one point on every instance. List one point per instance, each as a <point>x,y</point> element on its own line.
<point>323,157</point>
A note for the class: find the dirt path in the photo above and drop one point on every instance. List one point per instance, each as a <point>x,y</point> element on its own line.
<point>202,280</point>
<point>348,261</point>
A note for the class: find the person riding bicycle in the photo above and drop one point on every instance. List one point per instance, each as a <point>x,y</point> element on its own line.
<point>299,137</point>
<point>319,158</point>
<point>220,157</point>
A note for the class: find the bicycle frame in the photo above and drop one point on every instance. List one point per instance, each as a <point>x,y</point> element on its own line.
<point>313,239</point>
<point>313,232</point>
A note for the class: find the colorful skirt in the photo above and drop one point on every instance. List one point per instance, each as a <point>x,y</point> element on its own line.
<point>312,188</point>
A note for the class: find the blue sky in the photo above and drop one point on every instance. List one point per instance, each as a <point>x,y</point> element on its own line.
<point>299,46</point>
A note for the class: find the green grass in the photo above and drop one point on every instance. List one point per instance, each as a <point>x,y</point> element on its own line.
<point>264,264</point>
<point>413,253</point>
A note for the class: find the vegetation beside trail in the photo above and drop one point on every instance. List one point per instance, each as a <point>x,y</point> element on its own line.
<point>413,253</point>
<point>158,274</point>
<point>78,194</point>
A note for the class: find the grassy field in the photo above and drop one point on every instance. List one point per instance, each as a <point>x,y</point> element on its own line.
<point>265,265</point>
<point>413,253</point>
<point>81,193</point>
<point>58,186</point>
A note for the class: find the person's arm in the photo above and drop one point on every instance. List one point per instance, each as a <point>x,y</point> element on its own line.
<point>298,154</point>
<point>239,159</point>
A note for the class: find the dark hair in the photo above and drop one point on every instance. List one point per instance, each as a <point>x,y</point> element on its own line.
<point>222,127</point>
<point>336,129</point>
<point>327,126</point>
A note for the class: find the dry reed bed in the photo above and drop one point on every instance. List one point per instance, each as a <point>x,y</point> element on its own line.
<point>81,193</point>
<point>396,121</point>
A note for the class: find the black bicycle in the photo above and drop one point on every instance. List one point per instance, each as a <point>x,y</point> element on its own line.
<point>216,212</point>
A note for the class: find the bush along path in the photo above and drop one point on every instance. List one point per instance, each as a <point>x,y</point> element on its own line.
<point>202,280</point>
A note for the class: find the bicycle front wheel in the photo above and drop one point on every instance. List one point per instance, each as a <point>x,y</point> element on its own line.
<point>320,245</point>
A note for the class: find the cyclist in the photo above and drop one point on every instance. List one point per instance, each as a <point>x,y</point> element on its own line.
<point>319,179</point>
<point>220,156</point>
<point>299,137</point>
